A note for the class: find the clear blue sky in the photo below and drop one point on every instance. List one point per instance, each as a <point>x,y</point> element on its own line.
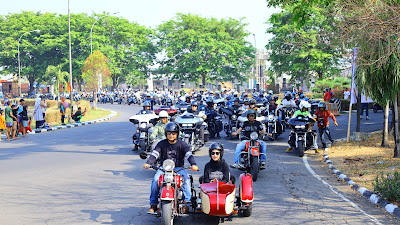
<point>153,12</point>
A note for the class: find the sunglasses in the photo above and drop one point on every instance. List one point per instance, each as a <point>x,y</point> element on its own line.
<point>170,132</point>
<point>214,153</point>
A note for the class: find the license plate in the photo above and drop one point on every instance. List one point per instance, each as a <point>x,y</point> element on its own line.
<point>142,135</point>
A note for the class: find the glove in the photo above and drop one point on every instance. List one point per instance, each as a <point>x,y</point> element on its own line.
<point>194,168</point>
<point>146,166</point>
<point>336,124</point>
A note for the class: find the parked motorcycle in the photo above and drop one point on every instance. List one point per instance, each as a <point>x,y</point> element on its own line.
<point>301,138</point>
<point>190,125</point>
<point>250,157</point>
<point>141,138</point>
<point>171,194</point>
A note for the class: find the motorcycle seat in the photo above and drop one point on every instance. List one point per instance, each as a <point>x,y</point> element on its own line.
<point>222,188</point>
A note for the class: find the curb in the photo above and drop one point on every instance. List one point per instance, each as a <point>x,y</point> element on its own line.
<point>72,125</point>
<point>377,200</point>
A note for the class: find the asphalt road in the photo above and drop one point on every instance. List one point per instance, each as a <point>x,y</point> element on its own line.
<point>89,175</point>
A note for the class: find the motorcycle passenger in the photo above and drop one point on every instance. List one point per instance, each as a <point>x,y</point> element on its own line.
<point>187,99</point>
<point>304,111</point>
<point>176,150</point>
<point>159,129</point>
<point>248,127</point>
<point>216,168</point>
<point>323,123</point>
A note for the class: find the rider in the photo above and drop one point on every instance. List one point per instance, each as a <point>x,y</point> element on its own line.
<point>216,168</point>
<point>146,108</point>
<point>176,150</point>
<point>304,107</point>
<point>287,101</point>
<point>323,123</point>
<point>194,110</point>
<point>250,126</point>
<point>236,104</point>
<point>150,100</point>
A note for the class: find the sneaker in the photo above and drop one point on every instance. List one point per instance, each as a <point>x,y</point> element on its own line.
<point>367,118</point>
<point>262,165</point>
<point>316,150</point>
<point>235,166</point>
<point>289,149</point>
<point>152,210</point>
<point>360,117</point>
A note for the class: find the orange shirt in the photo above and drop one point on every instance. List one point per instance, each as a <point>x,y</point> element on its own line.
<point>2,122</point>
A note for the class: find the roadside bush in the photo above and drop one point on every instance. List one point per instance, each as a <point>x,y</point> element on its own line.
<point>388,186</point>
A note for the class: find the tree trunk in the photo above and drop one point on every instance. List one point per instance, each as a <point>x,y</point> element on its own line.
<point>203,80</point>
<point>94,100</point>
<point>385,134</point>
<point>31,81</point>
<point>396,127</point>
<point>358,128</point>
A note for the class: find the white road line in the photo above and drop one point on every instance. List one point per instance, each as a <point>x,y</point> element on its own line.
<point>339,194</point>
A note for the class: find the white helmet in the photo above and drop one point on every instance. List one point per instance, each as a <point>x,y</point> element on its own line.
<point>304,104</point>
<point>270,92</point>
<point>163,114</point>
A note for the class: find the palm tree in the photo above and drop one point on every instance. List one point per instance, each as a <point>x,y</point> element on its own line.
<point>56,76</point>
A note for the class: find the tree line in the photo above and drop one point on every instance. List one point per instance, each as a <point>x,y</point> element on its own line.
<point>187,47</point>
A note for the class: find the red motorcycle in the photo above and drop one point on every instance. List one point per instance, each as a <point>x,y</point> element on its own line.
<point>171,195</point>
<point>219,199</point>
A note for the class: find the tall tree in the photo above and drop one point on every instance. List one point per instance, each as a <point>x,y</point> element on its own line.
<point>306,51</point>
<point>198,48</point>
<point>94,71</point>
<point>56,76</point>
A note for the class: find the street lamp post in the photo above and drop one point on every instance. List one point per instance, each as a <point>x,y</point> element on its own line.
<point>19,62</point>
<point>70,60</point>
<point>91,31</point>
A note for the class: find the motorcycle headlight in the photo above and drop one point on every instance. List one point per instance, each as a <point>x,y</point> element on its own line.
<point>234,117</point>
<point>168,165</point>
<point>143,125</point>
<point>253,136</point>
<point>300,127</point>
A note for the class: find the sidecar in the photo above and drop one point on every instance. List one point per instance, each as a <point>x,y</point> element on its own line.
<point>219,199</point>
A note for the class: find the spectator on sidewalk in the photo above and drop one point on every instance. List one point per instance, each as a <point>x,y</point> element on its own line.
<point>63,109</point>
<point>38,115</point>
<point>2,122</point>
<point>43,107</point>
<point>15,121</point>
<point>24,119</point>
<point>364,106</point>
<point>9,120</point>
<point>20,110</point>
<point>323,123</point>
<point>327,95</point>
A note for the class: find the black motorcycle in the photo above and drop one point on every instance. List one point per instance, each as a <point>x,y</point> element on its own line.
<point>302,138</point>
<point>274,127</point>
<point>190,125</point>
<point>214,123</point>
<point>233,124</point>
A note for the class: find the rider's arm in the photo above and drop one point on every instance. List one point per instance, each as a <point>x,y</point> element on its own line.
<point>155,154</point>
<point>261,128</point>
<point>206,176</point>
<point>225,178</point>
<point>153,135</point>
<point>189,156</point>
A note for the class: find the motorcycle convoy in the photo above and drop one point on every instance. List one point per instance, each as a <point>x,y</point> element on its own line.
<point>218,198</point>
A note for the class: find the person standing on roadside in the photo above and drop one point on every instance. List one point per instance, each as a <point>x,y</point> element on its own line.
<point>20,110</point>
<point>9,120</point>
<point>24,118</point>
<point>2,122</point>
<point>323,123</point>
<point>43,106</point>
<point>38,115</point>
<point>364,106</point>
<point>63,108</point>
<point>15,122</point>
<point>346,94</point>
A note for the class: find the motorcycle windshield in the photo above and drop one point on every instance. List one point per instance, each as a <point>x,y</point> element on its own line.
<point>300,121</point>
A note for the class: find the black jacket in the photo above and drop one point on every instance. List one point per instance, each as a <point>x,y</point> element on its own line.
<point>216,169</point>
<point>177,152</point>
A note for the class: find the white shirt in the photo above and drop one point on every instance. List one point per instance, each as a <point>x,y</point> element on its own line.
<point>346,94</point>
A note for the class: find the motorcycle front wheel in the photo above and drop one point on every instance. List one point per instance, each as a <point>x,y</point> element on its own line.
<point>254,168</point>
<point>300,148</point>
<point>167,217</point>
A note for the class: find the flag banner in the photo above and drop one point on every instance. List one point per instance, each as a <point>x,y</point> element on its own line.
<point>353,91</point>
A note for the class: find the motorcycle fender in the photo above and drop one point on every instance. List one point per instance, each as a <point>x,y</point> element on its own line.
<point>255,151</point>
<point>167,193</point>
<point>246,188</point>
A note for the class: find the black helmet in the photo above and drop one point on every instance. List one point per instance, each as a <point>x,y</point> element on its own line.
<point>252,102</point>
<point>217,146</point>
<point>194,103</point>
<point>169,100</point>
<point>199,97</point>
<point>171,127</point>
<point>146,104</point>
<point>322,105</point>
<point>209,101</point>
<point>251,111</point>
<point>236,100</point>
